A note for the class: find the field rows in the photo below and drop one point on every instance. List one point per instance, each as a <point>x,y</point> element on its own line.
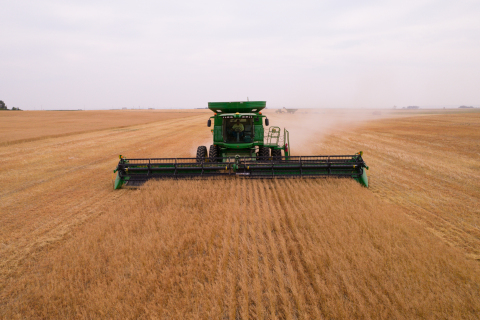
<point>72,247</point>
<point>56,184</point>
<point>433,174</point>
<point>251,249</point>
<point>20,127</point>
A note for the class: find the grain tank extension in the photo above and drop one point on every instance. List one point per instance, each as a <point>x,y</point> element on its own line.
<point>242,147</point>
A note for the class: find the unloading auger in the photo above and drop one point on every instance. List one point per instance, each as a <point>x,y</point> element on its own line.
<point>241,149</point>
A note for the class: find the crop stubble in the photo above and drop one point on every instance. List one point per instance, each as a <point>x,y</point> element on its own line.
<point>427,165</point>
<point>236,249</point>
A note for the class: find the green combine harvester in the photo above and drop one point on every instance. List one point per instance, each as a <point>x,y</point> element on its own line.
<point>241,148</point>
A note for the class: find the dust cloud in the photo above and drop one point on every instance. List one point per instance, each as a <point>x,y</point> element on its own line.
<point>309,127</point>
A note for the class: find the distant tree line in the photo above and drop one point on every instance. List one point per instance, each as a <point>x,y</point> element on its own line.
<point>3,106</point>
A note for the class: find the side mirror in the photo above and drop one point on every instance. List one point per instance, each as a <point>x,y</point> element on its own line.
<point>209,123</point>
<point>267,122</point>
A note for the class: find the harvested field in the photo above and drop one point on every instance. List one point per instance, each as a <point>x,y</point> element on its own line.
<point>72,247</point>
<point>16,127</point>
<point>428,165</point>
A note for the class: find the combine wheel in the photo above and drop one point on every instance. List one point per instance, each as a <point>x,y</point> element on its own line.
<point>213,153</point>
<point>202,154</point>
<point>263,153</point>
<point>276,154</point>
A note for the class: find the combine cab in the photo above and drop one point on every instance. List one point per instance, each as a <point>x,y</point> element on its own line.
<point>241,147</point>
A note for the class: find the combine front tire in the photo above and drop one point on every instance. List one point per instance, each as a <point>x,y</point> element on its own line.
<point>277,154</point>
<point>263,153</point>
<point>202,154</point>
<point>213,154</point>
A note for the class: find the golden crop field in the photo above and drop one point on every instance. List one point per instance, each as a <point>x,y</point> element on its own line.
<point>407,247</point>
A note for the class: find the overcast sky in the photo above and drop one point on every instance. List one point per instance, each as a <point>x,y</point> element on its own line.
<point>182,54</point>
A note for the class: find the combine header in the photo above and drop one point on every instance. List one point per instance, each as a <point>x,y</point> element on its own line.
<point>241,147</point>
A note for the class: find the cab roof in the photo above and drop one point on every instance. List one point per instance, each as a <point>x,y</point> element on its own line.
<point>239,115</point>
<point>237,106</point>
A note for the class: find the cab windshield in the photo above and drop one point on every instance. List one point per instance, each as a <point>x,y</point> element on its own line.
<point>238,130</point>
